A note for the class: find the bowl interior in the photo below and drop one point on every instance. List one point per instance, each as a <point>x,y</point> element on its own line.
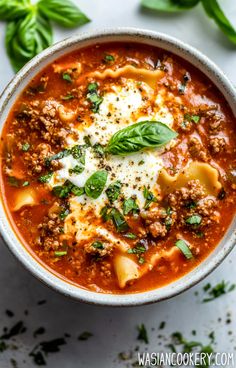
<point>14,89</point>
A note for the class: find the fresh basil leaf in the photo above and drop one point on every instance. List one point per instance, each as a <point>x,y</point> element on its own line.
<point>60,253</point>
<point>26,38</point>
<point>25,147</point>
<point>57,156</point>
<point>45,178</point>
<point>13,182</point>
<point>63,191</point>
<point>183,246</point>
<point>99,150</point>
<point>194,220</point>
<point>94,97</point>
<point>68,97</point>
<point>113,191</point>
<point>138,249</point>
<point>67,77</point>
<point>170,6</point>
<point>136,137</point>
<point>95,184</point>
<point>78,169</point>
<point>63,12</point>
<point>98,245</point>
<point>130,236</point>
<point>118,220</point>
<point>149,196</point>
<point>130,205</point>
<point>14,9</point>
<point>109,58</point>
<point>77,191</point>
<point>215,12</point>
<point>63,214</point>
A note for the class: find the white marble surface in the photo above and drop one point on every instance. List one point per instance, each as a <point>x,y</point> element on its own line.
<point>114,330</point>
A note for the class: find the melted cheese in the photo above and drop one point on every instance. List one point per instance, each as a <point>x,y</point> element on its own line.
<point>123,105</point>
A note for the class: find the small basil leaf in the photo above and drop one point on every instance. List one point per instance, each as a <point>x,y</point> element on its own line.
<point>13,9</point>
<point>136,137</point>
<point>118,220</point>
<point>183,246</point>
<point>63,12</point>
<point>94,97</point>
<point>113,191</point>
<point>98,245</point>
<point>149,196</point>
<point>194,220</point>
<point>45,178</point>
<point>130,205</point>
<point>215,12</point>
<point>95,184</point>
<point>171,6</point>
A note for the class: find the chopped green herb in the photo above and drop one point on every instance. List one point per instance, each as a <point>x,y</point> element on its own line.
<point>87,141</point>
<point>113,191</point>
<point>94,97</point>
<point>138,250</point>
<point>63,214</point>
<point>45,178</point>
<point>76,170</point>
<point>190,204</point>
<point>99,150</point>
<point>77,191</point>
<point>60,253</point>
<point>220,289</point>
<point>13,181</point>
<point>85,336</point>
<point>130,206</point>
<point>109,58</point>
<point>26,184</point>
<point>67,77</point>
<point>183,246</point>
<point>111,213</point>
<point>95,184</point>
<point>57,156</point>
<point>192,118</point>
<point>25,147</point>
<point>194,220</point>
<point>142,334</point>
<point>98,245</point>
<point>68,97</point>
<point>63,191</point>
<point>130,236</point>
<point>149,196</point>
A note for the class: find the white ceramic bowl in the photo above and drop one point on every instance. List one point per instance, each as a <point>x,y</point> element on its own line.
<point>14,89</point>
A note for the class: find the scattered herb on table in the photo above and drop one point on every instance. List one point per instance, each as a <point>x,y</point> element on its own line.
<point>211,7</point>
<point>142,334</point>
<point>29,29</point>
<point>216,291</point>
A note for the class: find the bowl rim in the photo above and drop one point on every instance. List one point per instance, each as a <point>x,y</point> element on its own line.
<point>17,248</point>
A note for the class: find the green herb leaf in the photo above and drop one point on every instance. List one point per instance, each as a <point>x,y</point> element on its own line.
<point>130,205</point>
<point>215,12</point>
<point>99,150</point>
<point>113,191</point>
<point>14,182</point>
<point>98,245</point>
<point>78,169</point>
<point>130,236</point>
<point>25,147</point>
<point>183,246</point>
<point>194,220</point>
<point>95,184</point>
<point>192,118</point>
<point>63,191</point>
<point>109,58</point>
<point>220,289</point>
<point>27,37</point>
<point>60,253</point>
<point>45,178</point>
<point>13,9</point>
<point>63,214</point>
<point>63,12</point>
<point>67,77</point>
<point>68,97</point>
<point>93,96</point>
<point>149,196</point>
<point>136,137</point>
<point>171,6</point>
<point>142,334</point>
<point>26,184</point>
<point>111,213</point>
<point>138,249</point>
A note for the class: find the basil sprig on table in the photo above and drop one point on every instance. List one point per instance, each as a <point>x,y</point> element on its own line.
<point>29,28</point>
<point>137,137</point>
<point>211,7</point>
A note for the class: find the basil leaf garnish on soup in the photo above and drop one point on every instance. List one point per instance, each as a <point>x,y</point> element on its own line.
<point>113,191</point>
<point>183,246</point>
<point>137,137</point>
<point>95,184</point>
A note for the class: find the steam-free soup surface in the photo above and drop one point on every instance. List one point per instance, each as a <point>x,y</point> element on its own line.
<point>119,167</point>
